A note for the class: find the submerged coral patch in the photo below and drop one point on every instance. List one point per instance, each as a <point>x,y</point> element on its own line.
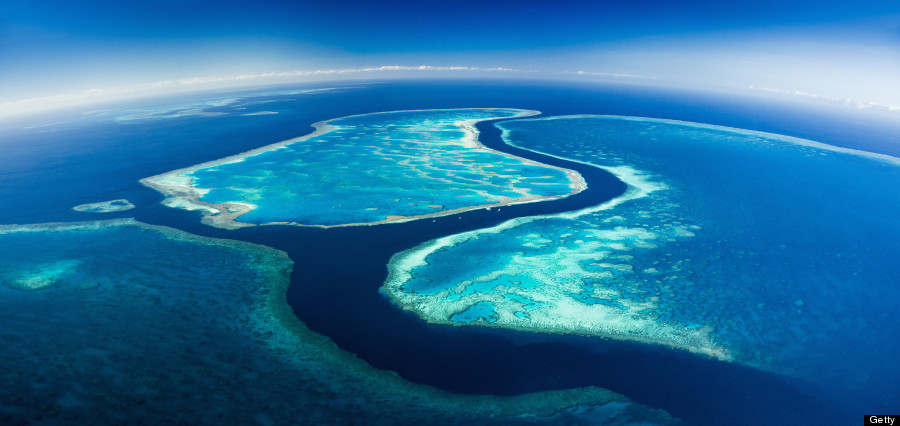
<point>39,277</point>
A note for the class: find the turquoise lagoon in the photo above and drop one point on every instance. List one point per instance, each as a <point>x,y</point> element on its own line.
<point>118,320</point>
<point>367,169</point>
<point>740,245</point>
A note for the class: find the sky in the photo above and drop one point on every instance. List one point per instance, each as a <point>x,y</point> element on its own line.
<point>60,52</point>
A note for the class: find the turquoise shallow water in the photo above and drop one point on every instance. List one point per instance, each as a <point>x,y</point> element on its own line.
<point>746,246</point>
<point>378,167</point>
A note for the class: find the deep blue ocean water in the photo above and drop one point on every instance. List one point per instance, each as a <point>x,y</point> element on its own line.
<point>51,164</point>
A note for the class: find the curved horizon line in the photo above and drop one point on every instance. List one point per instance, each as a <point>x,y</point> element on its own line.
<point>173,86</point>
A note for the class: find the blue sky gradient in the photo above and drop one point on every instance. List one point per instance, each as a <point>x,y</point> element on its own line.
<point>837,51</point>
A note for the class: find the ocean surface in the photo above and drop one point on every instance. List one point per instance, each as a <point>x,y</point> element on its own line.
<point>779,254</point>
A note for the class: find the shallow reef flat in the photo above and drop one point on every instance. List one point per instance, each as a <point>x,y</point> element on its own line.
<point>132,321</point>
<point>111,206</point>
<point>570,273</point>
<point>723,245</point>
<point>366,170</point>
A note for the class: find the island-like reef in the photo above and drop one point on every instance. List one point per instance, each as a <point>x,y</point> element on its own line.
<point>367,170</point>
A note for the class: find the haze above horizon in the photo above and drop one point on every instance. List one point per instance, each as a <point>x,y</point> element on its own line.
<point>61,53</point>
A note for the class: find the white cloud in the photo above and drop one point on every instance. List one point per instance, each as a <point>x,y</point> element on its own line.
<point>175,85</point>
<point>611,74</point>
<point>222,81</point>
<point>853,103</point>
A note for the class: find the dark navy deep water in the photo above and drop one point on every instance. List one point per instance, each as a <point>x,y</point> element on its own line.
<point>46,170</point>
